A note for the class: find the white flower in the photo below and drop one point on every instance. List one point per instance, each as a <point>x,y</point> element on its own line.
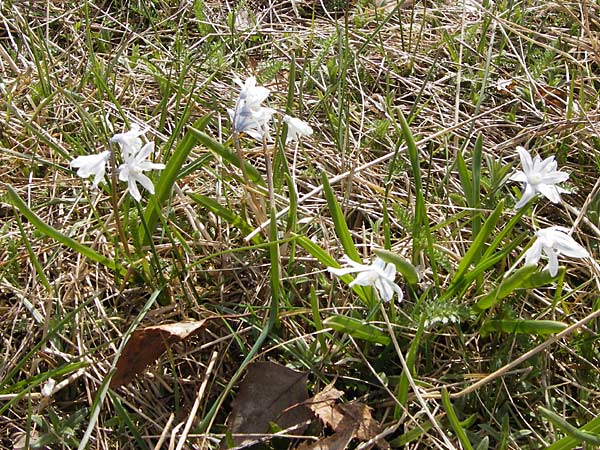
<point>503,84</point>
<point>296,128</point>
<point>129,141</point>
<point>133,166</point>
<point>49,388</point>
<point>249,116</point>
<point>378,275</point>
<point>554,241</point>
<point>92,165</point>
<point>539,176</point>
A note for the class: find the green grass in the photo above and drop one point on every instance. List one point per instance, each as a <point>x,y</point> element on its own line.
<point>412,148</point>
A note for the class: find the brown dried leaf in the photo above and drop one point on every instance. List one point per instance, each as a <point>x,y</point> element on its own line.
<point>348,421</point>
<point>359,416</point>
<point>323,406</point>
<point>268,393</point>
<point>146,345</point>
<point>337,441</point>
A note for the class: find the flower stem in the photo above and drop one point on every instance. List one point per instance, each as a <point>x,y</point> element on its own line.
<point>256,205</point>
<point>115,202</point>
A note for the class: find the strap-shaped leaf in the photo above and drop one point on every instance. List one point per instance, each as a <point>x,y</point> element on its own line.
<point>341,227</point>
<point>536,327</point>
<point>167,178</point>
<point>53,233</point>
<point>358,329</point>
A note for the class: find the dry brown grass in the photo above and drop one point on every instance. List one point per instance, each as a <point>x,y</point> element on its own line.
<point>159,65</point>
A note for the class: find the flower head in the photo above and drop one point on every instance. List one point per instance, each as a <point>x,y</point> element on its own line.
<point>554,241</point>
<point>249,116</point>
<point>296,128</point>
<point>92,165</point>
<point>539,176</point>
<point>133,167</point>
<point>378,275</point>
<point>129,141</point>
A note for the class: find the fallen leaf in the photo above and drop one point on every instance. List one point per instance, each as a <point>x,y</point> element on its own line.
<point>146,345</point>
<point>323,405</point>
<point>359,415</point>
<point>337,441</point>
<point>347,420</point>
<point>268,393</point>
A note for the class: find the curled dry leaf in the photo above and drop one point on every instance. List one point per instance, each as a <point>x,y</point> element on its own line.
<point>323,406</point>
<point>146,345</point>
<point>348,421</point>
<point>269,393</point>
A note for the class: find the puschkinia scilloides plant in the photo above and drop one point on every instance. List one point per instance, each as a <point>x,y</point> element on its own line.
<point>539,178</point>
<point>134,155</point>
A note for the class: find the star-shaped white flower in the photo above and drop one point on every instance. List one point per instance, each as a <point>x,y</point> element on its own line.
<point>249,116</point>
<point>129,141</point>
<point>92,165</point>
<point>539,176</point>
<point>379,275</point>
<point>133,167</point>
<point>296,128</point>
<point>554,241</point>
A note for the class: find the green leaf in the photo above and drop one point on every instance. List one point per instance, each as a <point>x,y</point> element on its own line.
<point>420,215</point>
<point>226,214</point>
<point>465,177</point>
<point>408,271</point>
<point>484,444</point>
<point>525,278</point>
<point>358,329</point>
<point>569,442</point>
<point>517,326</point>
<point>478,243</point>
<point>454,422</point>
<point>229,156</point>
<point>341,228</point>
<point>560,422</point>
<point>168,176</point>
<point>53,233</point>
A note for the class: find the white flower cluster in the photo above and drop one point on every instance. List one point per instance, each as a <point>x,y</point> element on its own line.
<point>135,162</point>
<point>250,117</point>
<point>379,275</point>
<point>541,177</point>
<point>538,177</point>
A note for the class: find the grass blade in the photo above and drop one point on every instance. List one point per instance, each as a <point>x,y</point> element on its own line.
<point>341,228</point>
<point>454,422</point>
<point>53,233</point>
<point>358,329</point>
<point>226,214</point>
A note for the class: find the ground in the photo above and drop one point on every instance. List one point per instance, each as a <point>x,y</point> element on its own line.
<point>417,110</point>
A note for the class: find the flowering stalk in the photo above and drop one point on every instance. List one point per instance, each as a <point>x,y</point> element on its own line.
<point>256,205</point>
<point>115,201</point>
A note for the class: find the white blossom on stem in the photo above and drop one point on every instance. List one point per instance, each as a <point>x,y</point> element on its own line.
<point>539,176</point>
<point>249,116</point>
<point>135,163</point>
<point>129,141</point>
<point>296,128</point>
<point>379,275</point>
<point>554,241</point>
<point>89,165</point>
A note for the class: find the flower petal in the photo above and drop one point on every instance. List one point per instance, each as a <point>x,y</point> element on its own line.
<point>552,262</point>
<point>528,194</point>
<point>550,192</point>
<point>534,253</point>
<point>133,189</point>
<point>526,160</point>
